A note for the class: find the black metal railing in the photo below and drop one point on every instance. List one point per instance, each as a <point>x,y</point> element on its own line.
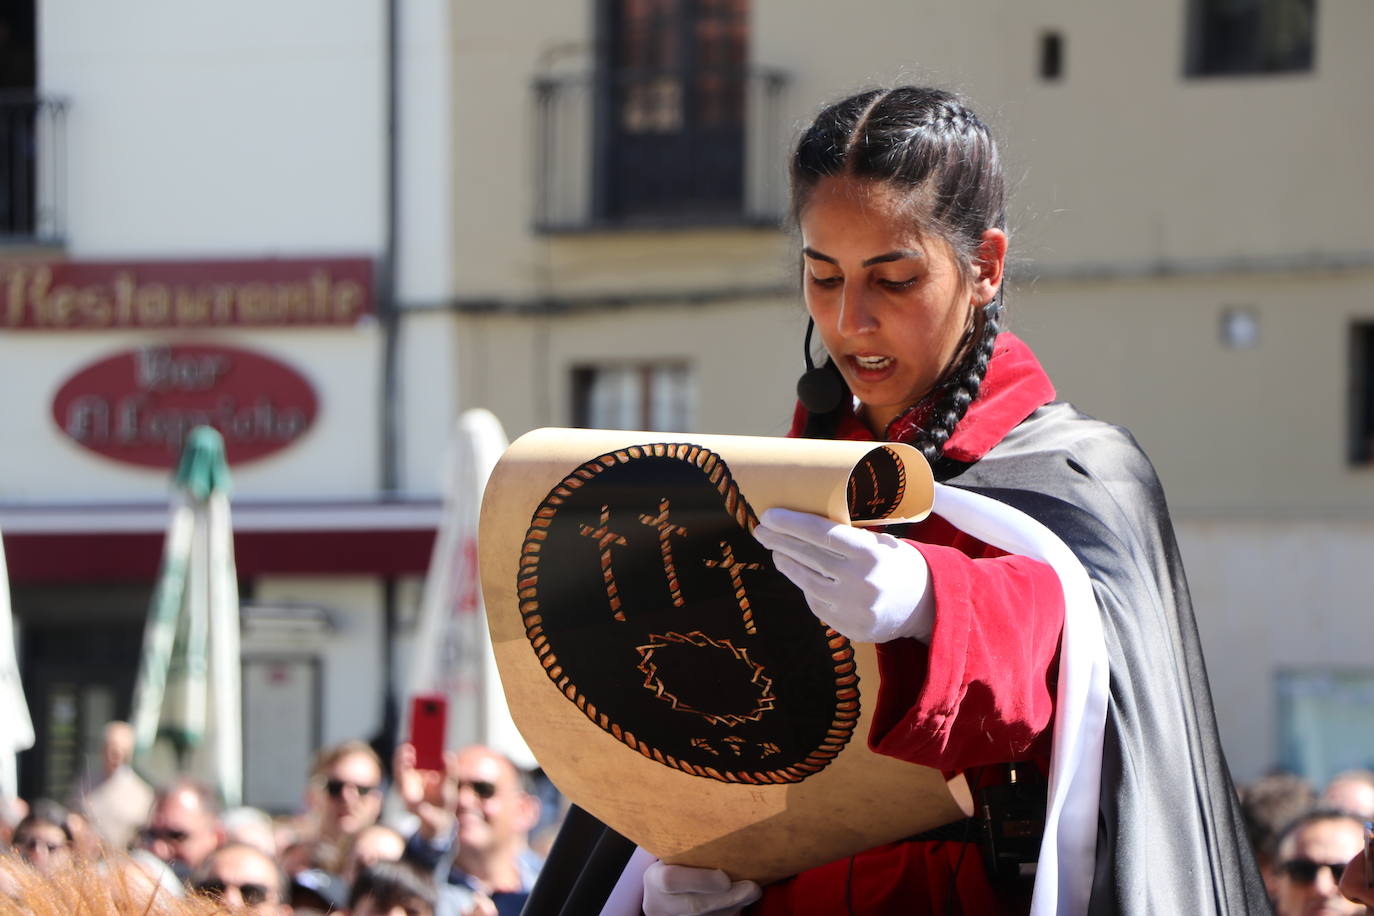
<point>32,168</point>
<point>639,149</point>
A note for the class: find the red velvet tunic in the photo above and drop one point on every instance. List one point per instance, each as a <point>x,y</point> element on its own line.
<point>981,693</point>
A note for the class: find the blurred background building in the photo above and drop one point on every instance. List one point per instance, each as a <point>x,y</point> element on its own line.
<point>572,213</point>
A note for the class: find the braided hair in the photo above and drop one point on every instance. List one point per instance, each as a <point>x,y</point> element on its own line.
<point>930,144</point>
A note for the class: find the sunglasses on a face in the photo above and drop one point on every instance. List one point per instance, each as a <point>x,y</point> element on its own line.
<point>336,787</point>
<point>164,833</point>
<point>1304,871</point>
<point>33,844</point>
<point>480,787</point>
<point>252,894</point>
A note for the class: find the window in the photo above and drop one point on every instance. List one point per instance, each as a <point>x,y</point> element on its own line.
<point>671,128</point>
<point>1051,56</point>
<point>672,89</point>
<point>23,120</point>
<point>650,396</point>
<point>1326,722</point>
<point>1362,393</point>
<point>1250,36</point>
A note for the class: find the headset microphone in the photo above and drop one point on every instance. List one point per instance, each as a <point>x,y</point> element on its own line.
<point>820,388</point>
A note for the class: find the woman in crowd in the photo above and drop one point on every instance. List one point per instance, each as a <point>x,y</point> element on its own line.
<point>44,837</point>
<point>898,196</point>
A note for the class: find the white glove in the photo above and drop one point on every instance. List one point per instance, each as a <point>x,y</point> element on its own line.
<point>680,890</point>
<point>868,586</point>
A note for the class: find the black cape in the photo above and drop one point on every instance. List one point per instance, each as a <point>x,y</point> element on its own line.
<point>1170,833</point>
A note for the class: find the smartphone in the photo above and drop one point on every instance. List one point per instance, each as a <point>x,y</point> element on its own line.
<point>428,719</point>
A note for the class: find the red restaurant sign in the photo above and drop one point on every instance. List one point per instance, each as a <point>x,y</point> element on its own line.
<point>138,405</point>
<point>85,296</point>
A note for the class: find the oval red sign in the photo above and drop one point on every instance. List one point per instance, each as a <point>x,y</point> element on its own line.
<point>138,405</point>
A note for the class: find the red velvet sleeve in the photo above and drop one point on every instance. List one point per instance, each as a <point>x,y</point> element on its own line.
<point>983,692</point>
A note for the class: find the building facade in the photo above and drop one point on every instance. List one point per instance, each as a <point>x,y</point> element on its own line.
<point>1191,258</point>
<point>574,214</point>
<point>209,231</point>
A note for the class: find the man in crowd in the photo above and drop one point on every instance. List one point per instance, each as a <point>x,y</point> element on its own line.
<point>346,796</point>
<point>474,828</point>
<point>44,837</point>
<point>1353,791</point>
<point>244,878</point>
<point>1269,804</point>
<point>184,826</point>
<point>119,803</point>
<point>372,846</point>
<point>1309,860</point>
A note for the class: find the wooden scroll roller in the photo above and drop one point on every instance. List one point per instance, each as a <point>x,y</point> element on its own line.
<point>667,677</point>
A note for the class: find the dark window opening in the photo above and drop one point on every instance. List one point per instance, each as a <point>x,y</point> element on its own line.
<point>672,92</point>
<point>19,120</point>
<point>1051,56</point>
<point>1362,393</point>
<point>1228,37</point>
<point>17,45</point>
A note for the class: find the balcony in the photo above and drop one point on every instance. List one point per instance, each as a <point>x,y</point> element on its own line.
<point>659,150</point>
<point>32,169</point>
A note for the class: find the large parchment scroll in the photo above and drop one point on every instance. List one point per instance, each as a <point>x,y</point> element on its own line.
<point>668,679</point>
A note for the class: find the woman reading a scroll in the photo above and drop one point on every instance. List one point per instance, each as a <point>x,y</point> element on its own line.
<point>898,196</point>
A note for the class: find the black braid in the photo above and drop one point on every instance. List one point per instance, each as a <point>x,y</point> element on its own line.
<point>963,386</point>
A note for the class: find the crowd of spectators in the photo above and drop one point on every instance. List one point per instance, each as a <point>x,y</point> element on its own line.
<point>450,843</point>
<point>1310,844</point>
<point>457,842</point>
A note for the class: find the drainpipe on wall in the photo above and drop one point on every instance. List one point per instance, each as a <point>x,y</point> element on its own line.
<point>387,313</point>
<point>388,317</point>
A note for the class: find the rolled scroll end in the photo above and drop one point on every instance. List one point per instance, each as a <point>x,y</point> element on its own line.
<point>891,484</point>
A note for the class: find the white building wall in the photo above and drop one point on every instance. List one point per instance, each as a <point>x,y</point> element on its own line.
<point>251,128</point>
<point>1257,432</point>
<point>426,203</point>
<point>257,130</point>
<point>1274,596</point>
<point>1124,160</point>
<point>427,399</point>
<point>351,688</point>
<point>744,358</point>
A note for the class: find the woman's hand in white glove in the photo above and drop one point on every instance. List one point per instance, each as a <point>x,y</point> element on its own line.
<point>680,890</point>
<point>868,586</point>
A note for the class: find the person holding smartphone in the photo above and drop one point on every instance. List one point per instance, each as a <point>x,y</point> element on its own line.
<point>474,824</point>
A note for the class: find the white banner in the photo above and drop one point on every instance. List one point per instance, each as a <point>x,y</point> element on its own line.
<point>16,728</point>
<point>453,653</point>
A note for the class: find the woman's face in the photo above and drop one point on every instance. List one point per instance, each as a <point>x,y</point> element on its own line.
<point>44,846</point>
<point>890,305</point>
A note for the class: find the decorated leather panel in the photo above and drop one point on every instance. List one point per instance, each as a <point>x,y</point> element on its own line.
<point>666,677</point>
<point>653,609</point>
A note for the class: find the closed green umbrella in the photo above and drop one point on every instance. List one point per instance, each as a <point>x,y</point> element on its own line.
<point>187,705</point>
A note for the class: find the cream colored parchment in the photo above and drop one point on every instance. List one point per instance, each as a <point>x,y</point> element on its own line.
<point>763,832</point>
